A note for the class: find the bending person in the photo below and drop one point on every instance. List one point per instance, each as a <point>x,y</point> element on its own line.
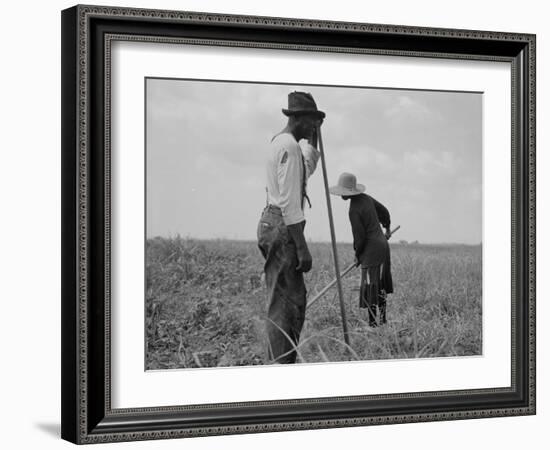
<point>371,247</point>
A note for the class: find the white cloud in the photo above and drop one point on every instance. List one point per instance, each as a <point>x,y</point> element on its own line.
<point>406,107</point>
<point>429,163</point>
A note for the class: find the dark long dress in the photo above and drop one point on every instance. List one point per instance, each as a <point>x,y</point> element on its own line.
<point>371,249</point>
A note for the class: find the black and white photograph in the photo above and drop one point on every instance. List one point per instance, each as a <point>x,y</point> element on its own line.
<point>301,224</point>
<point>283,223</point>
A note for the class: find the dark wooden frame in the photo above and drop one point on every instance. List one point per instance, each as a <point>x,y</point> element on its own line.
<point>87,32</point>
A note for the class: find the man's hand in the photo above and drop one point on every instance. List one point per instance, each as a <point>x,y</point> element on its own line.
<point>304,260</point>
<point>314,137</point>
<point>357,262</point>
<point>296,232</point>
<point>388,234</point>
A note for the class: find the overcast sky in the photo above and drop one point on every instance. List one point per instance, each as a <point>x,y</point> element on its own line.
<point>418,152</point>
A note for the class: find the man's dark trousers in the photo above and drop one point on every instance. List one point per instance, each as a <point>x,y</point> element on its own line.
<point>286,290</point>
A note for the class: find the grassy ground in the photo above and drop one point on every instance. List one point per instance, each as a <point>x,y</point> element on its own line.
<point>205,305</point>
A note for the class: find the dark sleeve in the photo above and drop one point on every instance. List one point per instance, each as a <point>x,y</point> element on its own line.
<point>383,214</point>
<point>358,230</point>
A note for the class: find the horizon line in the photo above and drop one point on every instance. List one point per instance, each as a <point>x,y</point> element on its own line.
<point>415,242</point>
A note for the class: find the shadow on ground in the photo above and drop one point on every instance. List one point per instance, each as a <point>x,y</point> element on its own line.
<point>53,429</point>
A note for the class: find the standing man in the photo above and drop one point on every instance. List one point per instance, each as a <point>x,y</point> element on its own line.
<point>291,158</point>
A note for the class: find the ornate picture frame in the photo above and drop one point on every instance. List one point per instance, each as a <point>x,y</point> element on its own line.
<point>88,33</point>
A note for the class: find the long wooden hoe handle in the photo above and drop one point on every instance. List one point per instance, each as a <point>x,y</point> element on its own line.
<point>330,285</point>
<point>333,239</point>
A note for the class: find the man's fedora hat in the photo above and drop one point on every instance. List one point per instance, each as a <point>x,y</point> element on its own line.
<point>347,185</point>
<point>302,103</point>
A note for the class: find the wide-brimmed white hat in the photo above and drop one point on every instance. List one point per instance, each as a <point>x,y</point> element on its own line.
<point>347,185</point>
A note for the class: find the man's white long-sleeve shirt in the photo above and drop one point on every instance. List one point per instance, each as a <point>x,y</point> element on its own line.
<point>287,163</point>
